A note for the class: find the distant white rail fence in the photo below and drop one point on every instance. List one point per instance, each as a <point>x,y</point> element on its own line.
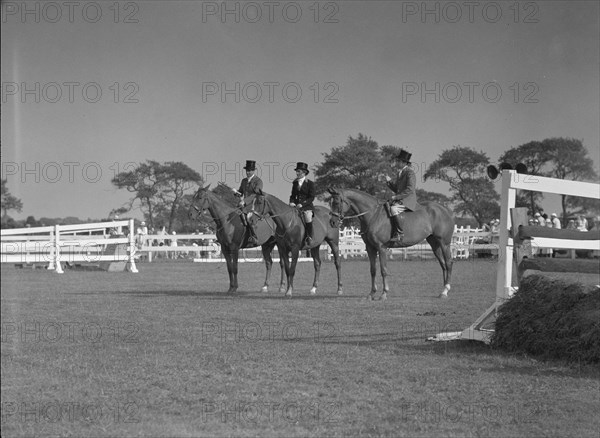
<point>65,244</point>
<point>464,244</point>
<point>94,243</point>
<point>202,246</point>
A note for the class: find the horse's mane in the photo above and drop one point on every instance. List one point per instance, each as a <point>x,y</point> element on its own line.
<point>361,193</point>
<point>221,204</point>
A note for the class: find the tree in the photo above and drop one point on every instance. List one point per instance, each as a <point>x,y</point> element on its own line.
<point>8,201</point>
<point>424,195</point>
<point>569,160</point>
<point>463,169</point>
<point>355,165</point>
<point>536,157</point>
<point>159,189</point>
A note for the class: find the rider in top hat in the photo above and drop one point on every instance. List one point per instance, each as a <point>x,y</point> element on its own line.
<point>404,187</point>
<point>303,195</point>
<point>250,185</point>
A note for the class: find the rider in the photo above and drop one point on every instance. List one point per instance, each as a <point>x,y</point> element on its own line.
<point>303,195</point>
<point>404,187</point>
<point>250,185</point>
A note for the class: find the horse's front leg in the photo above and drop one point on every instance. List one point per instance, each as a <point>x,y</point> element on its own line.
<point>335,251</point>
<point>292,271</point>
<point>231,258</point>
<point>372,252</point>
<point>266,252</point>
<point>282,258</point>
<point>314,252</point>
<point>383,266</point>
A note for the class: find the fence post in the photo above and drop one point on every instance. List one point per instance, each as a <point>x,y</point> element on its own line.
<point>132,248</point>
<point>57,264</point>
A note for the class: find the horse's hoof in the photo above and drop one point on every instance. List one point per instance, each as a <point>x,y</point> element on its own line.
<point>383,297</point>
<point>282,290</point>
<point>265,289</point>
<point>369,298</point>
<point>340,292</point>
<point>443,296</point>
<point>313,291</point>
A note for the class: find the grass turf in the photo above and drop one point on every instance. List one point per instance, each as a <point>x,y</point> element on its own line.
<point>167,353</point>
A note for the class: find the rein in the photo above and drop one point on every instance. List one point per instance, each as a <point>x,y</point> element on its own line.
<point>340,214</point>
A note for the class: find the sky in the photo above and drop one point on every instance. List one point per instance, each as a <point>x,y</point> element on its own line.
<point>91,88</point>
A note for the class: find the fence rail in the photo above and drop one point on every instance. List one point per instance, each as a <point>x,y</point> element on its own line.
<point>61,243</point>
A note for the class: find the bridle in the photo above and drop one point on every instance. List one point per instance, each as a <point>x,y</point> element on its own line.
<point>205,201</point>
<point>262,215</point>
<point>340,212</point>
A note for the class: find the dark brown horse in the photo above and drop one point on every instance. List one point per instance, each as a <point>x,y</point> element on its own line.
<point>290,236</point>
<point>430,221</point>
<point>232,235</point>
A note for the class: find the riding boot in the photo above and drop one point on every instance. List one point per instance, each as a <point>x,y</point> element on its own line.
<point>309,233</point>
<point>398,233</point>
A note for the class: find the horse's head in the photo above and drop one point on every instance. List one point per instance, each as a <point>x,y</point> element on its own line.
<point>200,202</point>
<point>340,206</point>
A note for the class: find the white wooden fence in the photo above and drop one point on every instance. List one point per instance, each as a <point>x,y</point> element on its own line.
<point>94,243</point>
<point>66,244</point>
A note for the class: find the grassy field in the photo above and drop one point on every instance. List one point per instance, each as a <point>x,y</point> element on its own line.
<point>167,353</point>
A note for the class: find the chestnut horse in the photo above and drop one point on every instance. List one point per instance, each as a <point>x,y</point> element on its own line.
<point>232,235</point>
<point>290,235</point>
<point>430,221</point>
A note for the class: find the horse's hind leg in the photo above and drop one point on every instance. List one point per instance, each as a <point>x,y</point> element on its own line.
<point>442,253</point>
<point>314,252</point>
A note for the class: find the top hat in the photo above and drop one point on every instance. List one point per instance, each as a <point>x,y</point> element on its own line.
<point>250,165</point>
<point>302,166</point>
<point>404,156</point>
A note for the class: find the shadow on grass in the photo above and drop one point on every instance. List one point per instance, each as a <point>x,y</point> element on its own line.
<point>248,295</point>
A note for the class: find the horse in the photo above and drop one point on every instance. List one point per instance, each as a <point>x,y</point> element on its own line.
<point>290,234</point>
<point>232,235</point>
<point>430,221</point>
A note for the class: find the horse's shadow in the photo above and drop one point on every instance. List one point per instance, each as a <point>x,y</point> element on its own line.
<point>216,295</point>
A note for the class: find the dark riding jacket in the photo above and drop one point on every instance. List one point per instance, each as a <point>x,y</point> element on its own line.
<point>250,188</point>
<point>305,195</point>
<point>404,188</point>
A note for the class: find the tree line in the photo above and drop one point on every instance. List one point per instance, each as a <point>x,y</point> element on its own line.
<point>163,191</point>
